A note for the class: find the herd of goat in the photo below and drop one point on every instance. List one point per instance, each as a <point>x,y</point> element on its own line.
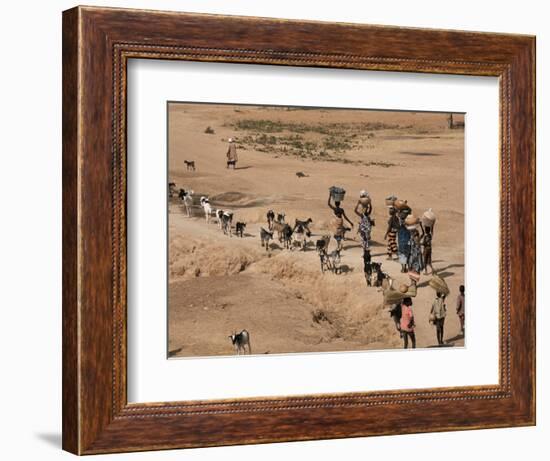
<point>289,237</point>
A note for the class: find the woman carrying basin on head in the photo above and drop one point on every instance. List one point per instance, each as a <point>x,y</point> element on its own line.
<point>363,209</point>
<point>339,215</point>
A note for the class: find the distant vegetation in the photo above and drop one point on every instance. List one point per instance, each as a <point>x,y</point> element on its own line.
<point>293,139</point>
<point>271,126</point>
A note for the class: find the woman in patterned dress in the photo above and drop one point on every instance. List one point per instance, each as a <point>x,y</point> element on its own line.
<point>391,233</point>
<point>363,209</point>
<point>415,262</point>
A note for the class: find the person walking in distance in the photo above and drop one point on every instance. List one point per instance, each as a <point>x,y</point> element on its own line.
<point>460,307</point>
<point>231,154</point>
<point>407,323</point>
<point>437,316</point>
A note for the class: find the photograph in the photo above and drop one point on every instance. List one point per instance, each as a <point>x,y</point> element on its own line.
<point>313,229</point>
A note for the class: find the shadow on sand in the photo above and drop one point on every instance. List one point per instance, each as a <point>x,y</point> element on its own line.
<point>456,338</point>
<point>421,154</point>
<point>441,274</point>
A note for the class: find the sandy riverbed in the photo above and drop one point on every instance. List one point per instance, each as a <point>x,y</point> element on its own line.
<point>218,284</point>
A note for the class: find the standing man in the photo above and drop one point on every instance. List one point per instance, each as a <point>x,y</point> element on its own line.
<point>231,154</point>
<point>460,307</point>
<point>437,316</point>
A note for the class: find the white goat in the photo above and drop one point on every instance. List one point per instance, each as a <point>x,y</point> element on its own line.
<point>206,207</point>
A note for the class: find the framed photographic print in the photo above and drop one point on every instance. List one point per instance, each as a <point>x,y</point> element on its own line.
<point>270,227</point>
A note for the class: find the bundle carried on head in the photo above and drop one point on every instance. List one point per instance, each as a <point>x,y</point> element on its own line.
<point>364,198</point>
<point>392,296</point>
<point>428,218</point>
<point>439,285</point>
<point>390,200</point>
<point>401,204</point>
<point>411,221</point>
<point>337,193</point>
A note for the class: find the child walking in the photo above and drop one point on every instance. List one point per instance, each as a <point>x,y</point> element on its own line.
<point>407,323</point>
<point>437,316</point>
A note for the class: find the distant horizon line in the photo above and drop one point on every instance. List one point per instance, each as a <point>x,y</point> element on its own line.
<point>301,107</point>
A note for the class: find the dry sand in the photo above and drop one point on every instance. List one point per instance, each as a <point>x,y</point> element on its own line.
<point>218,284</point>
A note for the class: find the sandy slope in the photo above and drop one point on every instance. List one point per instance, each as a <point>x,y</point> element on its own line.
<point>220,284</point>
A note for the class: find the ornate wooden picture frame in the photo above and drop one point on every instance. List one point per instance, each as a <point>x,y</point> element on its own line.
<point>97,44</point>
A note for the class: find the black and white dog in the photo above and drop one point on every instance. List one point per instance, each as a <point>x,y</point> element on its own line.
<point>240,341</point>
<point>239,228</point>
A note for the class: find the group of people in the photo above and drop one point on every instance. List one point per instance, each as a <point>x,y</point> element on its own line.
<point>411,241</point>
<point>363,210</point>
<point>403,315</point>
<point>411,244</point>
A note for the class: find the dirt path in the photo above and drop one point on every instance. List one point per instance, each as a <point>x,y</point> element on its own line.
<point>280,297</point>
